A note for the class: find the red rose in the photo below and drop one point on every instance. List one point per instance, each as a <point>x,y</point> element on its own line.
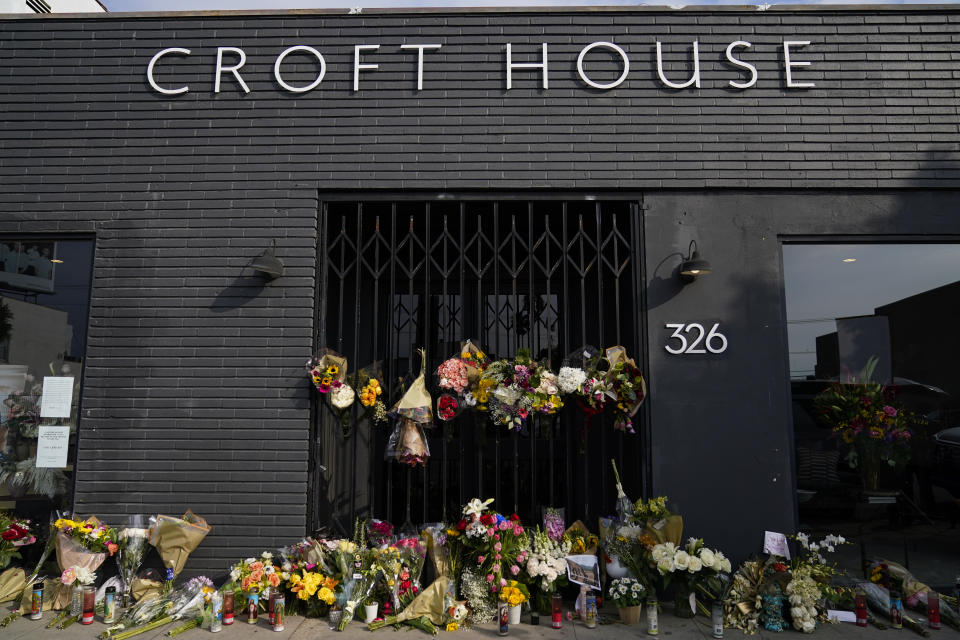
<point>461,525</point>
<point>515,518</point>
<point>487,519</point>
<point>20,531</point>
<point>9,534</point>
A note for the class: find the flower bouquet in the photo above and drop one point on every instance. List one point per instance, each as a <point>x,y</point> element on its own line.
<point>316,591</point>
<point>81,543</point>
<point>688,566</point>
<point>176,538</point>
<point>626,387</point>
<point>627,594</point>
<point>152,613</point>
<point>379,532</point>
<point>495,546</point>
<point>520,386</point>
<point>14,533</point>
<point>411,553</point>
<point>259,573</point>
<point>424,612</point>
<point>867,417</point>
<point>368,566</point>
<point>407,443</point>
<point>132,545</point>
<point>546,566</point>
<point>327,370</point>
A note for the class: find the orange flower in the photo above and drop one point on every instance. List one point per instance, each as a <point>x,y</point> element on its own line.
<point>256,565</point>
<point>256,576</point>
<point>245,584</point>
<point>274,579</point>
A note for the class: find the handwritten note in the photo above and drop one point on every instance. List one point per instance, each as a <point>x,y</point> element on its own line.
<point>52,446</point>
<point>57,397</point>
<point>776,544</point>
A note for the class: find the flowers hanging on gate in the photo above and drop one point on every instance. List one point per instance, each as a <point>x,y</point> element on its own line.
<point>516,388</point>
<point>328,372</point>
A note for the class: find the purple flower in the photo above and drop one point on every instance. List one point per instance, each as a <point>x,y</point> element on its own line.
<point>890,411</point>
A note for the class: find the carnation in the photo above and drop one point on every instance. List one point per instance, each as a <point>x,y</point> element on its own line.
<point>570,378</point>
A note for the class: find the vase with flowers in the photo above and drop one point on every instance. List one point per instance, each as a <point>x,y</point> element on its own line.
<point>868,418</point>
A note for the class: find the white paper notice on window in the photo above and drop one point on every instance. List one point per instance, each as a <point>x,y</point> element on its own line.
<point>57,397</point>
<point>776,544</point>
<point>52,446</point>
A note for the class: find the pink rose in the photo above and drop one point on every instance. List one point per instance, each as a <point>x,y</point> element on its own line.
<point>514,569</point>
<point>489,577</point>
<point>497,547</point>
<point>480,559</point>
<point>496,536</point>
<point>69,576</point>
<point>503,582</point>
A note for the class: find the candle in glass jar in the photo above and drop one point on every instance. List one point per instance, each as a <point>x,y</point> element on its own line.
<point>89,598</point>
<point>933,609</point>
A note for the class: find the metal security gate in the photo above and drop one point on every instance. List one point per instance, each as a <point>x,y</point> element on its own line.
<point>550,276</point>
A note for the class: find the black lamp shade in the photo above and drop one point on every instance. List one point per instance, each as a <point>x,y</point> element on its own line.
<point>695,266</point>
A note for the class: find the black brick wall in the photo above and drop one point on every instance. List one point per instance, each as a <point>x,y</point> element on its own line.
<point>194,393</point>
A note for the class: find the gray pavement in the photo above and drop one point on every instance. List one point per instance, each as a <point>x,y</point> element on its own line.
<point>298,628</point>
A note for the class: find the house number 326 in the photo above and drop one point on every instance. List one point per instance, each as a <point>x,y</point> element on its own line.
<point>694,338</point>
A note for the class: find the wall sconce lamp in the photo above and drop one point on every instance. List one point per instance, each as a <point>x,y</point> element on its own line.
<point>693,265</point>
<point>267,263</point>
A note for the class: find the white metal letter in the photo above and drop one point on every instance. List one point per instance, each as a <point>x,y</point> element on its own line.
<point>234,69</point>
<point>525,65</point>
<point>420,48</point>
<point>357,48</point>
<point>788,64</point>
<point>694,80</point>
<point>154,60</point>
<point>607,45</point>
<point>740,63</point>
<point>291,88</point>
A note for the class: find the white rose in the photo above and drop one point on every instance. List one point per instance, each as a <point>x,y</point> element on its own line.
<point>707,557</point>
<point>235,574</point>
<point>695,564</point>
<point>798,613</point>
<point>681,560</point>
<point>665,566</point>
<point>808,626</point>
<point>725,565</point>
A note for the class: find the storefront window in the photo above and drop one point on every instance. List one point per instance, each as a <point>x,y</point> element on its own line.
<point>876,393</point>
<point>44,304</point>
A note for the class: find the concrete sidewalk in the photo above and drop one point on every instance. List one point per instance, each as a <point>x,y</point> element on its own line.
<point>298,628</point>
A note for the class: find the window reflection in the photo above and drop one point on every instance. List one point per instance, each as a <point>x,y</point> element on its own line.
<point>44,293</point>
<point>873,348</point>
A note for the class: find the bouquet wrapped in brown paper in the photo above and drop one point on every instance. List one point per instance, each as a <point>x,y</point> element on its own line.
<point>581,540</point>
<point>12,583</point>
<point>326,368</point>
<point>424,612</point>
<point>176,538</point>
<point>407,443</point>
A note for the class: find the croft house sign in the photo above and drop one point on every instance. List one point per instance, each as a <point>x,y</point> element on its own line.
<point>230,61</point>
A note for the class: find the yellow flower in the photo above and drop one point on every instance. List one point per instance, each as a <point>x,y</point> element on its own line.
<point>326,595</point>
<point>848,436</point>
<point>327,381</point>
<point>465,355</point>
<point>452,626</point>
<point>333,370</point>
